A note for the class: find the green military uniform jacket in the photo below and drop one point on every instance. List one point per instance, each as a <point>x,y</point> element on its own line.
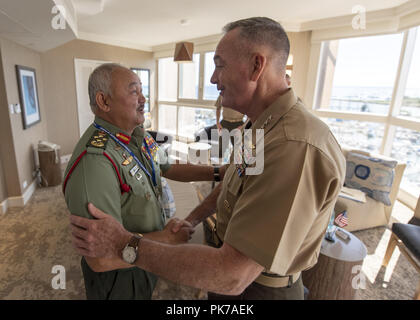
<point>100,171</point>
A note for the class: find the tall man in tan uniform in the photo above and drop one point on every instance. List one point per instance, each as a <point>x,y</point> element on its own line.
<point>271,224</point>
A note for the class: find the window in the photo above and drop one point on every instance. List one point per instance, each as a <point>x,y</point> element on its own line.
<point>411,101</point>
<point>189,78</point>
<point>191,119</point>
<point>210,90</point>
<point>370,97</point>
<point>361,135</point>
<point>185,95</point>
<point>358,74</point>
<point>167,79</point>
<point>406,148</point>
<point>144,75</point>
<point>167,118</point>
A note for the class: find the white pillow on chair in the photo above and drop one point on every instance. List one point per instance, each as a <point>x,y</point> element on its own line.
<point>373,176</point>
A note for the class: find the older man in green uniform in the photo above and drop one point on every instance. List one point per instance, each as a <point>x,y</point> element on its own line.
<point>117,165</point>
<point>271,224</point>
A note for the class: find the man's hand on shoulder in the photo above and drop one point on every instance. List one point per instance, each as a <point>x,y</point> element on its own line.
<point>102,237</point>
<point>105,237</point>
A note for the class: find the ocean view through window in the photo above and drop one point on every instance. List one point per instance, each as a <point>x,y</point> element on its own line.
<point>369,95</point>
<point>359,73</point>
<point>411,101</point>
<point>361,135</point>
<point>406,148</point>
<point>210,90</point>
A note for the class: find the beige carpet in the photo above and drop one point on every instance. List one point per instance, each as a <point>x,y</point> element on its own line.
<point>36,238</point>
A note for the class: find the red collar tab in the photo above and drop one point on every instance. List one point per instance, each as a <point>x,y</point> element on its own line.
<point>123,138</point>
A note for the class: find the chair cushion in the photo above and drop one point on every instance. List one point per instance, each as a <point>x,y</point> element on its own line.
<point>373,176</point>
<point>409,235</point>
<point>362,215</point>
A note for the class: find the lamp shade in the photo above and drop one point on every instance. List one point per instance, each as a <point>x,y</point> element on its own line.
<point>184,52</point>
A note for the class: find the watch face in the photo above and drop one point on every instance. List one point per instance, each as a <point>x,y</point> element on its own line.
<point>129,254</point>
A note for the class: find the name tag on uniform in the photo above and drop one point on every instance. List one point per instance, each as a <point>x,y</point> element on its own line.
<point>134,170</point>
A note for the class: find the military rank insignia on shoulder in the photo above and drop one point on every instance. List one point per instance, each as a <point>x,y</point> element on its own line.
<point>99,139</point>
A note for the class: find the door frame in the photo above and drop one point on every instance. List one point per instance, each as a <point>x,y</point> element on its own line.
<point>77,63</point>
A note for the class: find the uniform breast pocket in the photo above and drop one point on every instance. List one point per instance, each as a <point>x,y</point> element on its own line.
<point>140,190</point>
<point>233,192</point>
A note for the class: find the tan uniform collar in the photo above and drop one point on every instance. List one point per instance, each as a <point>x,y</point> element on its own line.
<point>119,133</point>
<point>275,111</point>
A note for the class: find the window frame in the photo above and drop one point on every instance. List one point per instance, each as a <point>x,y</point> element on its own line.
<point>199,103</point>
<point>393,119</point>
<point>136,71</point>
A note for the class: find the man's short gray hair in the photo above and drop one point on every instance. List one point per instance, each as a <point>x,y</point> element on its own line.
<point>101,80</point>
<point>263,31</point>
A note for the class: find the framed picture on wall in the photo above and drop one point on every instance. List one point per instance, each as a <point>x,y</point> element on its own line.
<point>28,93</point>
<point>144,75</point>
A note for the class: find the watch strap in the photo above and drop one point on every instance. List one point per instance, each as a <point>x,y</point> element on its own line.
<point>216,173</point>
<point>135,239</point>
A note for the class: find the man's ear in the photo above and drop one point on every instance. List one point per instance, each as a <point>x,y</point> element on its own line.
<point>101,101</point>
<point>258,65</point>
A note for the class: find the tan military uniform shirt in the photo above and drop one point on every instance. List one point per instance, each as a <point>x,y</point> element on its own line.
<point>228,113</point>
<point>279,217</point>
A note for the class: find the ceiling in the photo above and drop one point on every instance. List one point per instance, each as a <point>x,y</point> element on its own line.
<point>29,24</point>
<point>144,24</point>
<point>150,23</point>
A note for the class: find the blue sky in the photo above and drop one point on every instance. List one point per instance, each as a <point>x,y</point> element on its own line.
<point>373,62</point>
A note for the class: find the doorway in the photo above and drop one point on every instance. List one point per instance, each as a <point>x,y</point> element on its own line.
<point>83,68</point>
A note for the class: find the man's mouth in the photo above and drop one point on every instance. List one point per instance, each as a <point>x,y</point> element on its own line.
<point>140,108</point>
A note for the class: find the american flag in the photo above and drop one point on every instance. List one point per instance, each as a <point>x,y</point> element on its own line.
<point>341,220</point>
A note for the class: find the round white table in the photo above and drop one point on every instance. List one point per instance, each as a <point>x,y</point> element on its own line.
<point>332,277</point>
<point>349,250</point>
<point>199,153</point>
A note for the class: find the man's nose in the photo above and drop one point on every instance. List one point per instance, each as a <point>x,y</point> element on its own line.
<point>213,78</point>
<point>142,99</point>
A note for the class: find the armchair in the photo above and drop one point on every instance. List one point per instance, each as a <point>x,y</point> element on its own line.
<point>407,238</point>
<point>372,213</point>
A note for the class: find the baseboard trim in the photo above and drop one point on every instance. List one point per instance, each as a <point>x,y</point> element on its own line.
<point>21,201</point>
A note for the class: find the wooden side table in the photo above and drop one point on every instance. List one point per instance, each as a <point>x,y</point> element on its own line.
<point>331,278</point>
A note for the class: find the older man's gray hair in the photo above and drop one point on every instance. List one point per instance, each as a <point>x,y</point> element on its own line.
<point>263,31</point>
<point>100,81</point>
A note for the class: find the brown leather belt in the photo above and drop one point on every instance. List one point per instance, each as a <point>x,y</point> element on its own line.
<point>277,281</point>
<point>265,278</point>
